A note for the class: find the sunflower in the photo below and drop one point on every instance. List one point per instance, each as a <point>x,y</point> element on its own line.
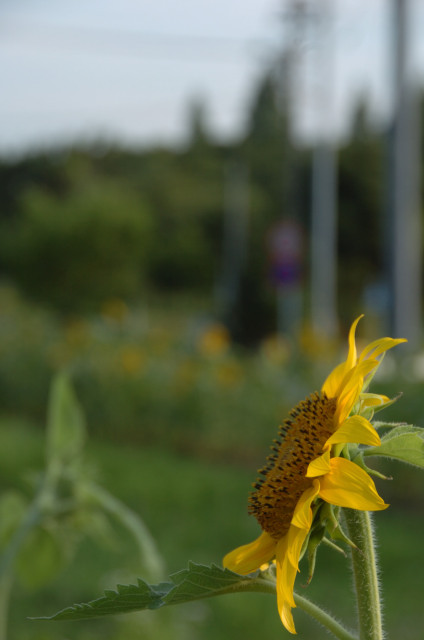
<point>309,465</point>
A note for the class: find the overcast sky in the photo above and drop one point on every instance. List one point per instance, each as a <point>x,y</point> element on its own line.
<point>126,70</point>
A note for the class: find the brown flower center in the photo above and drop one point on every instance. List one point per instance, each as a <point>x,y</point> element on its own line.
<point>300,440</point>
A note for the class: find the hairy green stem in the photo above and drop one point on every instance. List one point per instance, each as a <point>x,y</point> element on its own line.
<point>364,563</point>
<point>313,610</point>
<point>150,557</point>
<point>324,618</point>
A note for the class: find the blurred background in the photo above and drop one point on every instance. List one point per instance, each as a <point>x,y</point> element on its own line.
<point>196,201</point>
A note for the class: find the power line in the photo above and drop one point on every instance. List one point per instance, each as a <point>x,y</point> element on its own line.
<point>129,42</point>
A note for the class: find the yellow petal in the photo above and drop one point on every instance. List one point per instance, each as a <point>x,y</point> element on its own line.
<point>286,573</point>
<point>286,616</point>
<point>351,357</point>
<point>347,485</point>
<point>373,400</point>
<point>250,557</point>
<point>302,516</point>
<point>295,539</point>
<point>351,388</point>
<point>319,466</point>
<point>331,386</point>
<point>354,429</point>
<point>287,561</point>
<point>379,346</point>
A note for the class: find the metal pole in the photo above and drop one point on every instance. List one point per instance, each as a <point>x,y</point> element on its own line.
<point>234,239</point>
<point>323,242</point>
<point>324,194</point>
<point>404,199</point>
<point>290,298</point>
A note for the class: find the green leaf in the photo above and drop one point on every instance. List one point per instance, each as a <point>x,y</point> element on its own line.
<point>40,558</point>
<point>200,581</point>
<point>12,510</point>
<point>405,443</point>
<point>65,422</point>
<point>194,583</point>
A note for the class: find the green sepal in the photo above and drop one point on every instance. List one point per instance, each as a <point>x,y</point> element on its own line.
<point>389,403</point>
<point>333,546</point>
<point>368,413</point>
<point>314,541</point>
<point>330,517</point>
<point>359,460</point>
<point>316,509</point>
<point>404,443</point>
<point>339,534</point>
<point>379,407</point>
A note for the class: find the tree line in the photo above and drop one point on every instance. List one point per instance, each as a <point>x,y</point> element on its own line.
<point>90,222</point>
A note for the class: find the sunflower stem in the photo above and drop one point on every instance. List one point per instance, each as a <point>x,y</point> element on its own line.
<point>364,564</point>
<point>313,610</point>
<point>324,618</point>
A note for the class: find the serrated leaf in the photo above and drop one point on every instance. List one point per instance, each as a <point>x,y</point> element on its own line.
<point>195,583</point>
<point>125,599</point>
<point>404,443</point>
<point>200,581</point>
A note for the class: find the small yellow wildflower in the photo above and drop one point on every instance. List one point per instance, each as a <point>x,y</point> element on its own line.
<point>214,341</point>
<point>306,466</point>
<point>132,359</point>
<point>114,309</point>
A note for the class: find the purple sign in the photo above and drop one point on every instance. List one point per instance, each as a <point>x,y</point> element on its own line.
<point>285,250</point>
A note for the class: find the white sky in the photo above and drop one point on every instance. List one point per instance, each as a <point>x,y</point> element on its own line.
<point>126,70</point>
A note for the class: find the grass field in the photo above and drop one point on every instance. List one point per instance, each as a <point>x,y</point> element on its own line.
<point>195,506</point>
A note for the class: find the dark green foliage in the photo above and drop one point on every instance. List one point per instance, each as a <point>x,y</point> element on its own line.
<point>76,250</point>
<point>85,225</point>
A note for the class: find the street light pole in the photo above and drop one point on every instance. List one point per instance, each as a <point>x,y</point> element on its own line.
<point>403,190</point>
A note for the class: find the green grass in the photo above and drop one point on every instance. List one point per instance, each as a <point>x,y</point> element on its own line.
<point>196,509</point>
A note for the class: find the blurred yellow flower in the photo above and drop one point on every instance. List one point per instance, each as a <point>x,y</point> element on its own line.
<point>214,341</point>
<point>185,376</point>
<point>229,374</point>
<point>132,359</point>
<point>114,309</point>
<point>276,349</point>
<point>315,345</point>
<point>77,332</point>
<point>307,465</point>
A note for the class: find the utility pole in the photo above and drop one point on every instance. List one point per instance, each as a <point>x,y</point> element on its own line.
<point>324,241</point>
<point>323,306</point>
<point>288,235</point>
<point>403,191</point>
<point>234,240</point>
